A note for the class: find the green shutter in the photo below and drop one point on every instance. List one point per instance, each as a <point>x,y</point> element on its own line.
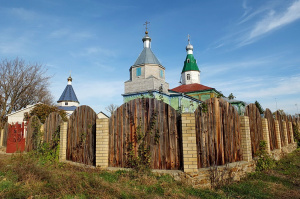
<point>138,72</point>
<point>161,73</point>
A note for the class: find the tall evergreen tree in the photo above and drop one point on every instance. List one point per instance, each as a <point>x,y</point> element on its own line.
<point>261,110</point>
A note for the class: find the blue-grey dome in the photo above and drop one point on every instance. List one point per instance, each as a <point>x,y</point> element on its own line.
<point>68,95</point>
<point>147,57</point>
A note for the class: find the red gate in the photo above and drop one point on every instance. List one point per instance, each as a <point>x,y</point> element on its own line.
<point>15,140</point>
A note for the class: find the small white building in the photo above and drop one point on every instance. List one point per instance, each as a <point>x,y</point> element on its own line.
<point>18,116</point>
<point>102,115</point>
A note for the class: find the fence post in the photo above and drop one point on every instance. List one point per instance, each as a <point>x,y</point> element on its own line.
<point>102,142</point>
<point>246,139</point>
<point>292,132</point>
<point>189,146</point>
<point>1,137</point>
<point>63,141</point>
<point>277,133</point>
<point>265,131</point>
<point>286,141</point>
<point>42,130</point>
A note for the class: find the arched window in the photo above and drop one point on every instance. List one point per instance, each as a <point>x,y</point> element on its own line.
<point>188,60</point>
<point>188,77</point>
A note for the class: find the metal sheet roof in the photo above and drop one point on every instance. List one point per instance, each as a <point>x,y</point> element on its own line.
<point>147,57</point>
<point>68,95</point>
<point>67,108</point>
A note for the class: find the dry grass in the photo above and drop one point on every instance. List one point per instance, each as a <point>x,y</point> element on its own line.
<point>25,176</point>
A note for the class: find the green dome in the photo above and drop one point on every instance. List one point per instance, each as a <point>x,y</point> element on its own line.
<point>190,64</point>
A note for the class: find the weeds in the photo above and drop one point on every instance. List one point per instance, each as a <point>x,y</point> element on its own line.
<point>296,134</point>
<point>265,161</point>
<point>23,176</point>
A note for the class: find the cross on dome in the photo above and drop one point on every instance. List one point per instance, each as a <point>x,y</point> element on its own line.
<point>146,24</point>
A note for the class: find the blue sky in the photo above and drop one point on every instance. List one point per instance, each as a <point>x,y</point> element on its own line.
<point>248,48</point>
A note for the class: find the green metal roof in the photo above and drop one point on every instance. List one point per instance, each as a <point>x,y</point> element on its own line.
<point>191,64</point>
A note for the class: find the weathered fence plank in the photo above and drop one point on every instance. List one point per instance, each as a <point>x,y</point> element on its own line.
<point>5,135</point>
<point>217,133</point>
<point>33,133</point>
<point>151,119</point>
<point>51,126</point>
<point>255,126</point>
<point>289,127</point>
<point>81,136</point>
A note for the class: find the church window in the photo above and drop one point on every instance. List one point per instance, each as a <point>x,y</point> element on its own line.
<point>66,103</point>
<point>188,77</point>
<point>188,60</point>
<point>161,73</point>
<point>138,71</point>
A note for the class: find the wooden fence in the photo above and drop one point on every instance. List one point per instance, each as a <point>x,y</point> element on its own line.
<point>81,136</point>
<point>52,127</point>
<point>255,124</point>
<point>272,132</point>
<point>33,133</point>
<point>5,135</point>
<point>217,133</point>
<point>156,123</point>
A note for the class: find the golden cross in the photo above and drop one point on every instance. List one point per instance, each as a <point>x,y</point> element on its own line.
<point>146,24</point>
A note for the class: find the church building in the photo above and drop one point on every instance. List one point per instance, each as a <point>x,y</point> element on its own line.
<point>190,79</point>
<point>68,100</point>
<point>147,80</point>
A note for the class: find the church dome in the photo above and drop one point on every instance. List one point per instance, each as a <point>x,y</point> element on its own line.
<point>189,47</point>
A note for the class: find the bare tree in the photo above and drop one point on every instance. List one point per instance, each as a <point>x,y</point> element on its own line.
<point>22,84</point>
<point>111,108</point>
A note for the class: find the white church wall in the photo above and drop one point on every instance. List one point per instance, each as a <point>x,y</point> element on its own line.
<point>194,77</point>
<point>154,70</point>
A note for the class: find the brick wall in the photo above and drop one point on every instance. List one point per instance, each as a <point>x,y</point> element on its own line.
<point>277,133</point>
<point>102,142</point>
<point>245,138</point>
<point>63,141</point>
<point>189,145</point>
<point>266,137</point>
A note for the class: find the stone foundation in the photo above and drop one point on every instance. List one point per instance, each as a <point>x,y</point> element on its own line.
<point>218,175</point>
<point>277,154</point>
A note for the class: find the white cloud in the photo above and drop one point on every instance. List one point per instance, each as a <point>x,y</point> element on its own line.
<point>255,23</point>
<point>274,20</point>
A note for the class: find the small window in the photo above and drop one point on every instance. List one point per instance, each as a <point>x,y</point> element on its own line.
<point>138,72</point>
<point>66,103</point>
<point>161,73</point>
<point>188,60</point>
<point>188,77</point>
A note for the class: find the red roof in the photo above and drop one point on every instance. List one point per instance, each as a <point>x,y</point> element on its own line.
<point>190,88</point>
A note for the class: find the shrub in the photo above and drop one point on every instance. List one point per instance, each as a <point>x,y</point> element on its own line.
<point>265,161</point>
<point>296,134</point>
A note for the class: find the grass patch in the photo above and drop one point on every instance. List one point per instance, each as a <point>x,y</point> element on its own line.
<point>23,176</point>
